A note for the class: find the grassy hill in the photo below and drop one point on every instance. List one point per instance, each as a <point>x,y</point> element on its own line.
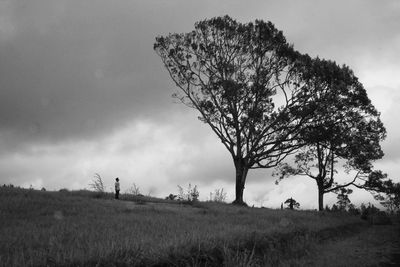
<point>85,228</point>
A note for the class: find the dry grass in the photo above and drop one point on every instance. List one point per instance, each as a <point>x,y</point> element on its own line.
<point>376,246</point>
<point>86,229</point>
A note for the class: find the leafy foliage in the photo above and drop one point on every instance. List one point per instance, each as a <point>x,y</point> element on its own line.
<point>368,210</point>
<point>346,129</point>
<point>245,81</point>
<point>344,202</point>
<point>292,203</point>
<point>384,190</point>
<point>353,210</point>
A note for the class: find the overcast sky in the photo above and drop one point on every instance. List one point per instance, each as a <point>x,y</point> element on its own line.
<point>83,92</point>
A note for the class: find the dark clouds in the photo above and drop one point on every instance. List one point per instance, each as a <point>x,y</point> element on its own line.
<point>334,29</point>
<point>79,69</point>
<point>75,70</point>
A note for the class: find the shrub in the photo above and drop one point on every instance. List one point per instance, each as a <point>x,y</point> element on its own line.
<point>367,212</point>
<point>134,190</point>
<point>292,203</point>
<point>218,196</point>
<point>97,183</point>
<point>191,194</point>
<point>353,210</point>
<point>171,197</point>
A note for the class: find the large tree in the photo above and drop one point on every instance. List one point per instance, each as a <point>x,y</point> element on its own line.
<point>345,132</point>
<point>244,79</point>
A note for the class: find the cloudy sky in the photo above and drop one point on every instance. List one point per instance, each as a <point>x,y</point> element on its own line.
<point>83,92</point>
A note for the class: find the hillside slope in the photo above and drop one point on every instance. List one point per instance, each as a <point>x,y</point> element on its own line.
<point>88,229</point>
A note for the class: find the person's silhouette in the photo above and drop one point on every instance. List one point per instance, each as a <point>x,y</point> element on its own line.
<point>117,188</point>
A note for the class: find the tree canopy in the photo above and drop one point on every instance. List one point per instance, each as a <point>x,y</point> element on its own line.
<point>292,203</point>
<point>384,190</point>
<point>246,82</point>
<point>266,101</point>
<point>346,130</point>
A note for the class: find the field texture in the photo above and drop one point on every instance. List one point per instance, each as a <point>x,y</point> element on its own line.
<point>90,229</point>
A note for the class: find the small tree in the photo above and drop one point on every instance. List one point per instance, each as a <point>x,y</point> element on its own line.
<point>353,210</point>
<point>134,190</point>
<point>346,130</point>
<point>194,194</point>
<point>334,208</point>
<point>367,211</point>
<point>292,204</point>
<point>343,199</point>
<point>97,183</point>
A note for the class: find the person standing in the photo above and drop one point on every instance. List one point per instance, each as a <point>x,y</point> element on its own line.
<point>117,188</point>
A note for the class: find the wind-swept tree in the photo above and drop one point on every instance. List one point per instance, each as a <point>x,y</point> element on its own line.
<point>244,80</point>
<point>346,129</point>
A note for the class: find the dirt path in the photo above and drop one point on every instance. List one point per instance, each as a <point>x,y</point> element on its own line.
<point>377,245</point>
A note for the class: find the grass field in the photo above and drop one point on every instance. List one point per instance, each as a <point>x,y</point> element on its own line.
<point>85,228</point>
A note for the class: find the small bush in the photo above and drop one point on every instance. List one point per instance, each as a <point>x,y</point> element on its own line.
<point>171,197</point>
<point>367,212</point>
<point>353,210</point>
<point>218,196</point>
<point>292,203</point>
<point>134,190</point>
<point>191,194</point>
<point>97,183</point>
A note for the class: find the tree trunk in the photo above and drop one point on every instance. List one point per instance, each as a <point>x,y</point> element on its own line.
<point>241,174</point>
<point>320,198</point>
